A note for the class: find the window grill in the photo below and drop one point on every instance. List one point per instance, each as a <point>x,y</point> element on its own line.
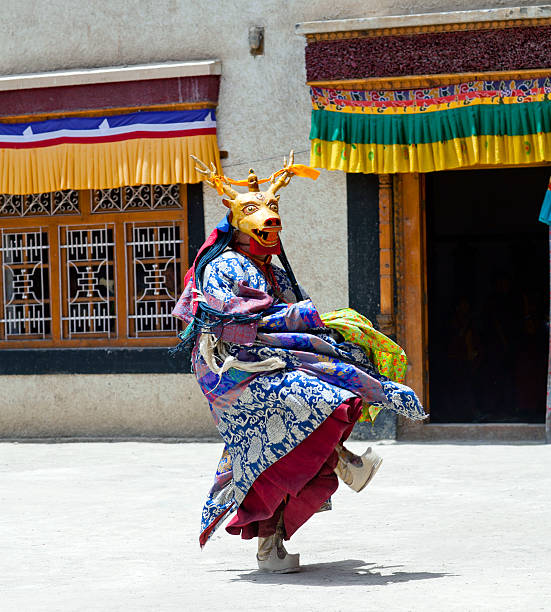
<point>153,265</point>
<point>110,275</point>
<point>25,284</point>
<point>39,204</point>
<point>88,286</point>
<point>138,197</point>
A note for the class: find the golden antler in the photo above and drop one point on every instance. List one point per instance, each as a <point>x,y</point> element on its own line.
<point>213,179</point>
<point>284,178</point>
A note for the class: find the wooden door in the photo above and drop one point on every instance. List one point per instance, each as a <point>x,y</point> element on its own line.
<point>409,207</point>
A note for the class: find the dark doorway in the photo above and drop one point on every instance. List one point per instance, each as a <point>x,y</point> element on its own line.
<point>488,295</point>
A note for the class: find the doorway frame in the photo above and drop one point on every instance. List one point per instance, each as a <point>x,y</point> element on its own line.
<point>410,264</point>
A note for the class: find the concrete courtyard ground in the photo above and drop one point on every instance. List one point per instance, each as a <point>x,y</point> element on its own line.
<point>109,527</point>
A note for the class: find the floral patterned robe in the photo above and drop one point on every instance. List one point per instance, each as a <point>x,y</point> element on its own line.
<point>262,416</point>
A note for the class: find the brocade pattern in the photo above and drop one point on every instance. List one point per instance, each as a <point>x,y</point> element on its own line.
<point>262,416</point>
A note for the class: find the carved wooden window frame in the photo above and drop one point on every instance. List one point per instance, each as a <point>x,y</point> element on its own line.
<point>115,233</point>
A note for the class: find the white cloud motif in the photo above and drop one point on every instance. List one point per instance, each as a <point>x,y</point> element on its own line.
<point>298,407</point>
<point>254,449</point>
<point>275,428</point>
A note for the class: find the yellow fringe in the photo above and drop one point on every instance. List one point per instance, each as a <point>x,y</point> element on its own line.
<point>107,165</point>
<point>457,153</point>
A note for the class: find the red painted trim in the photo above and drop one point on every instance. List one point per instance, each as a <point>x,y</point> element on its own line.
<point>96,139</point>
<point>137,94</point>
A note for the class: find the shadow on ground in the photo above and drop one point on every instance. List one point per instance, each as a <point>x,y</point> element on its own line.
<point>340,573</point>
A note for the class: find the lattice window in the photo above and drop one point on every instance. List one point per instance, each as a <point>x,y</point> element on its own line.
<point>110,275</point>
<point>24,257</point>
<point>40,204</point>
<point>140,197</point>
<point>153,265</point>
<point>88,283</point>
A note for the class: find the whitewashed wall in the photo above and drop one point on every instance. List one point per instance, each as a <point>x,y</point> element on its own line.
<point>264,111</point>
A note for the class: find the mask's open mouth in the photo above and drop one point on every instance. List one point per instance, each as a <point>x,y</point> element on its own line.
<point>267,238</point>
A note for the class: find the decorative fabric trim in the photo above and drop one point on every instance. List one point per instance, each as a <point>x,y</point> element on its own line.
<point>388,357</point>
<point>212,348</point>
<point>457,95</point>
<point>106,152</point>
<point>483,122</point>
<point>456,153</point>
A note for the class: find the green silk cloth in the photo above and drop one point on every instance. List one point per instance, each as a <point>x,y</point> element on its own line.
<point>388,357</point>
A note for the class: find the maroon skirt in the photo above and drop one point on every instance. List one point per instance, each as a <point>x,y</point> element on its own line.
<point>299,483</point>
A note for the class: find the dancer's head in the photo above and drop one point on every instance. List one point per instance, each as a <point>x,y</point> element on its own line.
<point>256,213</point>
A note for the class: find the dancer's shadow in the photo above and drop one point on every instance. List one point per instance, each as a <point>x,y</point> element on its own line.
<point>340,573</point>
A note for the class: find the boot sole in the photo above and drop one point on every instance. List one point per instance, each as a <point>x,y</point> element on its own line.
<point>290,570</point>
<point>376,466</point>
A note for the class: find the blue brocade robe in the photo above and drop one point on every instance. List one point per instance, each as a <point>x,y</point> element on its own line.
<point>262,416</point>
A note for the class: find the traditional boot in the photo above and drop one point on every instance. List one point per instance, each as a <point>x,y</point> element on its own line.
<point>272,556</point>
<point>357,471</point>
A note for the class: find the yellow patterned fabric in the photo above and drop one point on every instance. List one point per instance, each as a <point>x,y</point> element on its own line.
<point>105,165</point>
<point>429,157</point>
<point>387,356</point>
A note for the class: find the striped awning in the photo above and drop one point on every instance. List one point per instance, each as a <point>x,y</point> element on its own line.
<point>422,130</point>
<point>106,152</point>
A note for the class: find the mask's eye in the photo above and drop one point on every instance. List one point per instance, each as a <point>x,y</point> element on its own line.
<point>250,209</point>
<point>274,206</point>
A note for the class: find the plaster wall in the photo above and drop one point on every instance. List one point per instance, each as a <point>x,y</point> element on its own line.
<point>264,106</point>
<point>264,111</point>
<point>108,405</point>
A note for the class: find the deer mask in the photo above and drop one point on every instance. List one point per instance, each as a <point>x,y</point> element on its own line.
<point>256,213</point>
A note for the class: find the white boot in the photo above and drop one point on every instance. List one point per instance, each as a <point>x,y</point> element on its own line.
<point>272,556</point>
<point>357,471</point>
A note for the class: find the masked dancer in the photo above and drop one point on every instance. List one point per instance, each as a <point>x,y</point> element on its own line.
<point>285,384</point>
